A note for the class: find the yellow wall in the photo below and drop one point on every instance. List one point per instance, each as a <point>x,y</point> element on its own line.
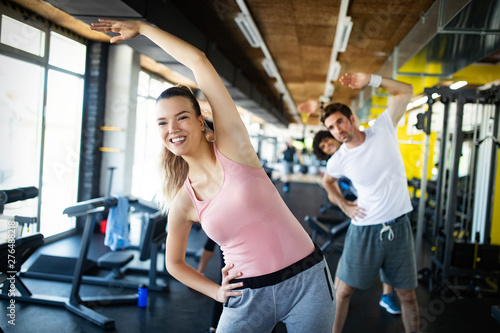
<point>495,221</point>
<point>420,65</point>
<point>413,154</point>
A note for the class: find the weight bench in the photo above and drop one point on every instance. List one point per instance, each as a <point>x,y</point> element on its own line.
<point>115,260</point>
<point>153,236</point>
<point>12,283</point>
<point>495,312</point>
<point>329,227</point>
<point>25,246</point>
<point>152,239</point>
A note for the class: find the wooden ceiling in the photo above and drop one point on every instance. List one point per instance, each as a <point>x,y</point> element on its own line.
<point>299,35</point>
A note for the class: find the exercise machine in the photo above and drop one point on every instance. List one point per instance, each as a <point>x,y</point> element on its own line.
<point>461,252</point>
<point>15,250</point>
<point>333,225</point>
<point>26,246</point>
<point>495,312</point>
<point>153,234</point>
<point>328,227</point>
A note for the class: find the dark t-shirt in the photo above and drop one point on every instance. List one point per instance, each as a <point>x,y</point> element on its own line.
<point>288,154</point>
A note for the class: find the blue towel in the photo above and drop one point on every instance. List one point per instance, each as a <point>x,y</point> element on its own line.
<point>117,226</point>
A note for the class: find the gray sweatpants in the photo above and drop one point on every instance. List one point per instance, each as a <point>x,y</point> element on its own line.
<point>304,302</point>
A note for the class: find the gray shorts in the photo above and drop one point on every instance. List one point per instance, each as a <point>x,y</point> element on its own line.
<point>304,303</point>
<point>368,249</point>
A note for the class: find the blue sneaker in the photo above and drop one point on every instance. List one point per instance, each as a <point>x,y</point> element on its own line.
<point>390,303</point>
<point>286,189</point>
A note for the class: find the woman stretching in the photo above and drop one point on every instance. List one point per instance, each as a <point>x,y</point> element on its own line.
<point>273,272</point>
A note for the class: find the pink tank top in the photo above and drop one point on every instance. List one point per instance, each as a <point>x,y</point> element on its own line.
<point>252,224</point>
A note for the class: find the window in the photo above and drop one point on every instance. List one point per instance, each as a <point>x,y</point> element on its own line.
<point>40,145</point>
<point>61,159</point>
<point>67,53</point>
<point>21,93</point>
<point>22,36</point>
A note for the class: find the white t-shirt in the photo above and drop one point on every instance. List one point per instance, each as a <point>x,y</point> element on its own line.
<point>377,171</point>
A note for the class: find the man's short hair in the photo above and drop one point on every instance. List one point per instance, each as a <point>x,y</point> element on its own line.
<point>318,138</point>
<point>336,107</point>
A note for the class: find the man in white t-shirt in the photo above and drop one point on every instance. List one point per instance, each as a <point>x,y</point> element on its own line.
<point>380,235</point>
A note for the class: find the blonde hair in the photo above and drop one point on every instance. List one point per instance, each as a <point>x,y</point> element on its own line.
<point>173,169</point>
<point>173,172</point>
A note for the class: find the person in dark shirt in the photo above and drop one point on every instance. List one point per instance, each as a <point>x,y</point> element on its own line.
<point>288,162</point>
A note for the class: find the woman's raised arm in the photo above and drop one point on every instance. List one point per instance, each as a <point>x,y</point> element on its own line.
<point>232,136</point>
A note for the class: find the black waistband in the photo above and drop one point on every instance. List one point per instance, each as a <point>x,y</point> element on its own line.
<point>397,219</point>
<point>283,274</point>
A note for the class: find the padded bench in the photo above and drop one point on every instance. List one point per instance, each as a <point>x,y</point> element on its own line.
<point>329,227</point>
<point>115,260</point>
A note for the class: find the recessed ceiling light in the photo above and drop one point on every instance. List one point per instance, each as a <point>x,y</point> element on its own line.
<point>458,85</point>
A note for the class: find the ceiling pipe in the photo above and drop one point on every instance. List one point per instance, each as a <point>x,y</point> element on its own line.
<point>342,32</point>
<point>432,22</point>
<point>248,30</point>
<point>284,91</point>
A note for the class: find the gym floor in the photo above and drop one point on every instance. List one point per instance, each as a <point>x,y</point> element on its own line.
<point>181,309</point>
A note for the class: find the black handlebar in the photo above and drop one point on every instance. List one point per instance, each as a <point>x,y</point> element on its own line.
<point>83,207</point>
<point>21,193</point>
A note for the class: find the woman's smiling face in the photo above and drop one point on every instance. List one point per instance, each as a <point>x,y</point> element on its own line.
<point>179,127</point>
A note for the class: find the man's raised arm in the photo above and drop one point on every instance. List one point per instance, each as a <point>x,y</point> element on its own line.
<point>401,92</point>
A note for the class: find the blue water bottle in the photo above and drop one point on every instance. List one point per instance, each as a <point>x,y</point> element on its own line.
<point>142,300</point>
